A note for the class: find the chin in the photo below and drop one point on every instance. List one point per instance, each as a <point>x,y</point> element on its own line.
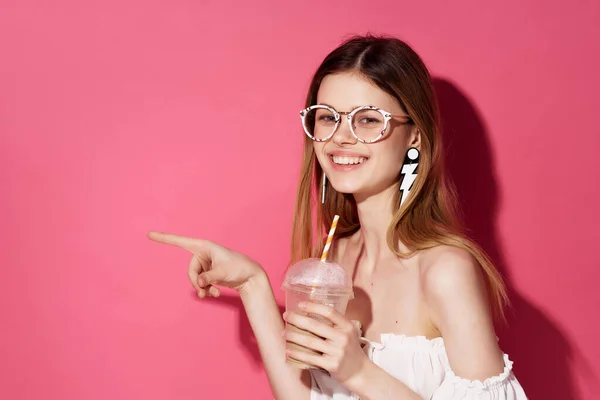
<point>361,187</point>
<point>347,187</point>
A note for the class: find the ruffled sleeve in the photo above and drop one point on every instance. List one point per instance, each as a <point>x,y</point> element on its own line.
<point>501,387</point>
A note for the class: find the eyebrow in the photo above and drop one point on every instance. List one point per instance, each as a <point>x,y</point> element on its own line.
<point>352,108</point>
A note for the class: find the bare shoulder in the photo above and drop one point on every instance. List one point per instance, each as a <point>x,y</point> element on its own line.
<point>446,269</point>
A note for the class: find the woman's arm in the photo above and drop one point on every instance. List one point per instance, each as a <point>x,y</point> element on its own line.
<point>213,264</point>
<point>458,303</point>
<point>373,383</point>
<point>287,382</point>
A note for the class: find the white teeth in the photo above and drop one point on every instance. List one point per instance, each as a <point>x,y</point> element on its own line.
<point>348,160</point>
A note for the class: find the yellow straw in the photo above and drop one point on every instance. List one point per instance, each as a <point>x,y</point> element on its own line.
<point>330,238</point>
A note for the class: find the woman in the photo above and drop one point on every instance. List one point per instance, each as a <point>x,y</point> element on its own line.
<point>426,294</point>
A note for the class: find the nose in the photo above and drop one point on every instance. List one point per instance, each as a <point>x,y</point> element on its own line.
<point>343,135</point>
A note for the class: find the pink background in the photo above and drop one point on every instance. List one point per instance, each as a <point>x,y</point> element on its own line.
<point>117,117</point>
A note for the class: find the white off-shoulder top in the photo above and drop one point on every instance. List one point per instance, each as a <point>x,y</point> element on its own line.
<point>422,365</point>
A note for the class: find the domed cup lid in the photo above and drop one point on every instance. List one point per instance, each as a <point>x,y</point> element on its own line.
<point>318,277</point>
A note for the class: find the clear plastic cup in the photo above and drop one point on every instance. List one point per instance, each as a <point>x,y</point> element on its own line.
<point>318,281</point>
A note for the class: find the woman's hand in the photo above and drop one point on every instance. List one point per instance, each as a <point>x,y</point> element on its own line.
<point>342,356</point>
<point>212,264</point>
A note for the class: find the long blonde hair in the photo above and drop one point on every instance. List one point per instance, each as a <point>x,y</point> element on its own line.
<point>429,216</point>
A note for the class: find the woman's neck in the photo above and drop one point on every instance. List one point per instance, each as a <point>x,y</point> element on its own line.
<point>375,212</point>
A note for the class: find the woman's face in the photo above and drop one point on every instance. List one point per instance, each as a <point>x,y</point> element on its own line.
<point>359,168</point>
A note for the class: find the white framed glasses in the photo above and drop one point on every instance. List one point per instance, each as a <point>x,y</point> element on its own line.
<point>367,123</point>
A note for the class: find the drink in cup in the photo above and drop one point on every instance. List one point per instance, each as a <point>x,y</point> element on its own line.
<point>316,281</point>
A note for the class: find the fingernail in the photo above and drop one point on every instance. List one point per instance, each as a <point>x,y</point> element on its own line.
<point>302,305</point>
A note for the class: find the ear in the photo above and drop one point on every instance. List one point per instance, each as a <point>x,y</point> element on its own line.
<point>415,138</point>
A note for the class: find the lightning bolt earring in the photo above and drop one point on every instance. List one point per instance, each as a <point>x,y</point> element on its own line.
<point>323,188</point>
<point>409,172</point>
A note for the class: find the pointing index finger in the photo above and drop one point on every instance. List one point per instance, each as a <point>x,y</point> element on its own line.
<point>183,242</point>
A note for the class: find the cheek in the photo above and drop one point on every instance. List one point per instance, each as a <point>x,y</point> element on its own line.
<point>392,152</point>
<point>389,158</point>
<point>318,148</point>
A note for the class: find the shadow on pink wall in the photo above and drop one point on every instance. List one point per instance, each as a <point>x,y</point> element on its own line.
<point>543,355</point>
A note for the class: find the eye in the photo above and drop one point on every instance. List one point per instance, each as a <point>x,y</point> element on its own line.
<point>325,117</point>
<point>369,120</point>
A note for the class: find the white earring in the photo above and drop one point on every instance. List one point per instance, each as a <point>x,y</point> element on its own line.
<point>323,188</point>
<point>409,172</point>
